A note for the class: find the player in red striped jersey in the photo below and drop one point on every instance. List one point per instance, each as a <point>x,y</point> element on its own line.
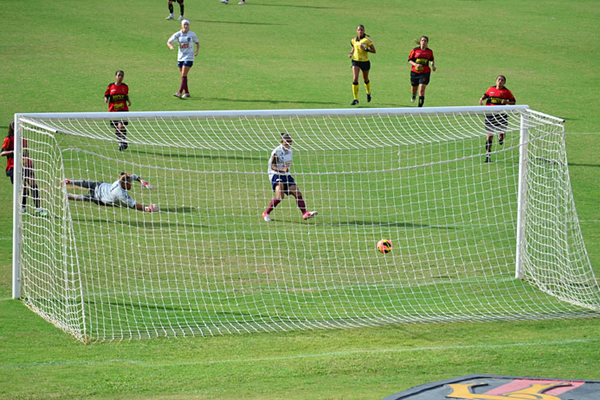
<point>420,58</point>
<point>496,96</point>
<point>116,96</point>
<point>8,151</point>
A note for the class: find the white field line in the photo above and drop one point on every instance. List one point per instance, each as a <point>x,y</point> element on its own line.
<point>298,356</point>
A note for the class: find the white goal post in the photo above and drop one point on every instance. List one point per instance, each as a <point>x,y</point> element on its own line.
<point>472,240</point>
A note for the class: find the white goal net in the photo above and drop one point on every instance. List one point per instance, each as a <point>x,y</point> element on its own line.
<point>472,241</point>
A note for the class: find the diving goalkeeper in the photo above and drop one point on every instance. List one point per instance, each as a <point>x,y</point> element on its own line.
<point>111,194</point>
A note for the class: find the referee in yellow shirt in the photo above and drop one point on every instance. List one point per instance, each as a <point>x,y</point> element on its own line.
<point>362,45</point>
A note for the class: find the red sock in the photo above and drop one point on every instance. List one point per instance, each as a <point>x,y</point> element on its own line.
<point>184,83</point>
<point>273,204</point>
<point>301,205</point>
<point>182,86</point>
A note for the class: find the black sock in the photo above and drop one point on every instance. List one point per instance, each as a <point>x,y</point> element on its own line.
<point>421,101</point>
<point>488,146</point>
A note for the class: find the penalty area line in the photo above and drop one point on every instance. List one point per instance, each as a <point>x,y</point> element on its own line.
<point>294,357</point>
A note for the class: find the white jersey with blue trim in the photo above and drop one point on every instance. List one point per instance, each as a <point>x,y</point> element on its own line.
<point>111,193</point>
<point>283,160</point>
<point>186,44</point>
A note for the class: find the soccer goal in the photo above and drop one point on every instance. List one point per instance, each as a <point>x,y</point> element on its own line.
<point>472,240</point>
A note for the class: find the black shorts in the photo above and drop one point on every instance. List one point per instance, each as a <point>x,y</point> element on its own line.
<point>496,123</point>
<point>417,79</point>
<point>115,124</point>
<point>363,65</point>
<point>10,173</point>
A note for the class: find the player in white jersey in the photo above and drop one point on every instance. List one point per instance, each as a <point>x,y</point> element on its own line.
<point>111,194</point>
<point>187,40</point>
<point>282,181</point>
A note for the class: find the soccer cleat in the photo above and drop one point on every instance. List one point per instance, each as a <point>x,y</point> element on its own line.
<point>413,98</point>
<point>242,2</point>
<point>180,18</point>
<point>309,214</point>
<point>41,212</point>
<point>170,16</point>
<point>354,102</point>
<point>225,1</point>
<point>178,95</point>
<point>488,158</point>
<point>266,217</point>
<point>368,97</point>
<point>123,146</point>
<point>186,95</point>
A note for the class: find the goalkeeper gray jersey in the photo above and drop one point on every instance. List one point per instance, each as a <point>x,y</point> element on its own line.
<point>113,193</point>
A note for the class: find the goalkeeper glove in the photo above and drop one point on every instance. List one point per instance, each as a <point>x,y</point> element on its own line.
<point>146,185</point>
<point>152,208</point>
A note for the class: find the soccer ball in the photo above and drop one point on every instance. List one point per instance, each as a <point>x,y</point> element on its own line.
<point>384,246</point>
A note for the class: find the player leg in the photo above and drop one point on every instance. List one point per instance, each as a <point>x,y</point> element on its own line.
<point>121,133</point>
<point>279,189</point>
<point>181,18</point>
<point>367,83</point>
<point>294,191</point>
<point>355,72</point>
<point>170,4</point>
<point>184,80</point>
<point>35,191</point>
<point>423,82</point>
<point>414,86</point>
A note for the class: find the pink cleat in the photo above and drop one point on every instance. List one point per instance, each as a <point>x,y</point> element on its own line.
<point>266,217</point>
<point>309,214</point>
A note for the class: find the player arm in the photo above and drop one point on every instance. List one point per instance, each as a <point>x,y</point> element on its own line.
<point>351,51</point>
<point>145,185</point>
<point>369,47</point>
<point>511,100</point>
<point>483,98</point>
<point>7,153</point>
<point>432,63</point>
<point>170,42</point>
<point>274,166</point>
<point>197,49</point>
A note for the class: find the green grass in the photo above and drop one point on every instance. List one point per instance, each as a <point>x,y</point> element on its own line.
<point>279,54</point>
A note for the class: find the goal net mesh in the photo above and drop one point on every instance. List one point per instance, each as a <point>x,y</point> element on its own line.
<point>208,264</point>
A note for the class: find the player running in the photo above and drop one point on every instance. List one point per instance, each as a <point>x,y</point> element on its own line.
<point>362,45</point>
<point>282,181</point>
<point>420,57</point>
<point>116,96</point>
<point>496,96</point>
<point>111,194</point>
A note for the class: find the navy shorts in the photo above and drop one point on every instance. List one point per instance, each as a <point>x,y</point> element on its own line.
<point>496,123</point>
<point>287,181</point>
<point>185,64</point>
<point>363,65</point>
<point>417,79</point>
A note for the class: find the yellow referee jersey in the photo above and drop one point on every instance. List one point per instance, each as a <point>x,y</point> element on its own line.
<point>359,53</point>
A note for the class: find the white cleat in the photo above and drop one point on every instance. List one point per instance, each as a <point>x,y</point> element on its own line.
<point>266,217</point>
<point>180,18</point>
<point>170,17</point>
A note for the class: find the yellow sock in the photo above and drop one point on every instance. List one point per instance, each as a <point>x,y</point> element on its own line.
<point>355,90</point>
<point>368,87</point>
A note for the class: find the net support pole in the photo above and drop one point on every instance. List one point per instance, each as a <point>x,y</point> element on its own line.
<point>17,190</point>
<point>522,197</point>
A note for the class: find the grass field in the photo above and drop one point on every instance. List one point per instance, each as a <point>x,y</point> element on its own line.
<point>280,54</point>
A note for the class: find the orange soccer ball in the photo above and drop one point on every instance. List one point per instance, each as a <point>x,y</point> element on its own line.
<point>384,246</point>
